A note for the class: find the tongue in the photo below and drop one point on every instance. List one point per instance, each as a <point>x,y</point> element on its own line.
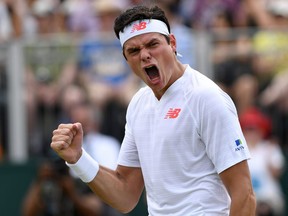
<point>152,73</point>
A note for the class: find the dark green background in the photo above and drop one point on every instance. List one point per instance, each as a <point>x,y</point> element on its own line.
<point>15,180</point>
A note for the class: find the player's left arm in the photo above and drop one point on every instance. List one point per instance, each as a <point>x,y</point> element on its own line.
<point>237,181</point>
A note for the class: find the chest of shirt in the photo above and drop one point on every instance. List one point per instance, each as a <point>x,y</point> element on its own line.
<point>166,131</point>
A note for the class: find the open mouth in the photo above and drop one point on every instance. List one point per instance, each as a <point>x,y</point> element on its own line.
<point>152,72</point>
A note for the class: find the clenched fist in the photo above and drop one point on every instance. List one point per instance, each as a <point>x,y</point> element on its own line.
<point>67,142</point>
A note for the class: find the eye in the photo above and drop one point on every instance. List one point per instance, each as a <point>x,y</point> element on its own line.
<point>153,44</point>
<point>133,51</point>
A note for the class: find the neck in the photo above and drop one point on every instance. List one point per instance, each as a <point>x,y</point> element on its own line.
<point>178,71</point>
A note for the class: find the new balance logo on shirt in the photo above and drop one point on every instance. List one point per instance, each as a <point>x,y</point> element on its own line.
<point>172,113</point>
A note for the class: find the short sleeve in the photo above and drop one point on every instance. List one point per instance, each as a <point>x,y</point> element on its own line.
<point>220,130</point>
<point>128,155</point>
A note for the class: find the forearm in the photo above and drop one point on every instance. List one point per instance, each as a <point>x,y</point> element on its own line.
<point>237,181</point>
<point>116,191</point>
<point>120,189</point>
<point>243,205</point>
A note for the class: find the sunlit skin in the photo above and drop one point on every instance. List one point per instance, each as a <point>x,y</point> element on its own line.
<point>152,49</point>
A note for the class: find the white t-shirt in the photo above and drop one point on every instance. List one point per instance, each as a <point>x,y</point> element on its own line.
<point>181,143</point>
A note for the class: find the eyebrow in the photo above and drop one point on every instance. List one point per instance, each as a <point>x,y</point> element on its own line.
<point>133,47</point>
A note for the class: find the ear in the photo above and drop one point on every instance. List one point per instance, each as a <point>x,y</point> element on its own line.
<point>173,42</point>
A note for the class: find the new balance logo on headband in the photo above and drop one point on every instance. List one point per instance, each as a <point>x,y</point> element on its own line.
<point>141,27</point>
<point>137,27</point>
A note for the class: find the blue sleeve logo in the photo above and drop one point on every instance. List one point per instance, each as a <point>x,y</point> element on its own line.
<point>239,145</point>
<point>238,142</point>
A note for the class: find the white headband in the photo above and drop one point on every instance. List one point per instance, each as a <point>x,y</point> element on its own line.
<point>141,27</point>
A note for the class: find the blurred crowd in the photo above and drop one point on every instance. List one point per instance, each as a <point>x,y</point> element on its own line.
<point>75,71</point>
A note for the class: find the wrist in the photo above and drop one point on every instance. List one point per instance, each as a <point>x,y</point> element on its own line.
<point>86,168</point>
<point>74,160</point>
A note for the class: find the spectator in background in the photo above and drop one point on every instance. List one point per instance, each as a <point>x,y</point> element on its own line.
<point>16,19</point>
<point>6,27</point>
<point>270,41</point>
<point>81,17</point>
<point>71,96</point>
<point>102,67</point>
<point>231,54</point>
<point>262,13</point>
<point>271,61</point>
<point>102,148</point>
<point>55,193</point>
<point>105,72</point>
<point>245,92</point>
<point>274,99</point>
<point>186,39</point>
<point>276,93</point>
<point>233,69</point>
<point>76,107</point>
<point>201,14</point>
<point>42,11</point>
<point>50,62</point>
<point>266,164</point>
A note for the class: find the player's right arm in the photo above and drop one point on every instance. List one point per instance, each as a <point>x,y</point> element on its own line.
<point>120,188</point>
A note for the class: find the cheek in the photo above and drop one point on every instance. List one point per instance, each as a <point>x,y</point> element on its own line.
<point>166,58</point>
<point>134,68</point>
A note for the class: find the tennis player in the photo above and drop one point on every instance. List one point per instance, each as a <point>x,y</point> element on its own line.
<point>182,142</point>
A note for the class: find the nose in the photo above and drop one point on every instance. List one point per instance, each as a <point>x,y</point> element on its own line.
<point>145,54</point>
